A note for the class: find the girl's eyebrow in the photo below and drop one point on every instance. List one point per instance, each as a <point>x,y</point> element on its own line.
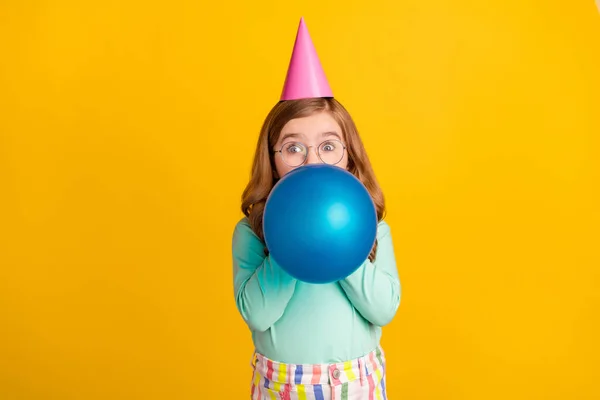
<point>297,135</point>
<point>290,135</point>
<point>331,133</point>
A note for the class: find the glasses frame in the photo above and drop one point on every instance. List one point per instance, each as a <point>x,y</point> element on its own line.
<point>280,151</point>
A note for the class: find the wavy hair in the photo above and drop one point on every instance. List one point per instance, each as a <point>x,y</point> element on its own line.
<point>263,176</point>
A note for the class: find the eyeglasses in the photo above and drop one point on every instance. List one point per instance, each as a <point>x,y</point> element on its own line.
<point>294,154</point>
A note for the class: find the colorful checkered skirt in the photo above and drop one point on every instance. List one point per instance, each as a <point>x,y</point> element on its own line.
<point>360,379</point>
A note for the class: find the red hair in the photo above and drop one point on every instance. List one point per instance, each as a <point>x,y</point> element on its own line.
<point>263,176</point>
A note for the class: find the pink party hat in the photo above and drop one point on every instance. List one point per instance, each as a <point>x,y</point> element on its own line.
<point>305,77</point>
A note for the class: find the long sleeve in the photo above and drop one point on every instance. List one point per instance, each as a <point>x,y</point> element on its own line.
<point>374,288</point>
<point>262,289</point>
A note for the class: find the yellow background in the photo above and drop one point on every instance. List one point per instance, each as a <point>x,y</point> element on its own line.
<point>126,135</point>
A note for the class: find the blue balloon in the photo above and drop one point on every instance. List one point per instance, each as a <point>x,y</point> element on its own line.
<point>319,223</point>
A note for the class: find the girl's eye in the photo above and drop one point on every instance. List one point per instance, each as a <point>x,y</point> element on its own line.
<point>328,146</point>
<point>294,148</point>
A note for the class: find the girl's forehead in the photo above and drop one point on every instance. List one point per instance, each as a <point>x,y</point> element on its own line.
<point>311,127</point>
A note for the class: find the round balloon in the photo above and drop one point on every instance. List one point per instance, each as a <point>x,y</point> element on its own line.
<point>319,223</point>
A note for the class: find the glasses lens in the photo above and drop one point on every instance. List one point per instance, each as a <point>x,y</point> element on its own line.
<point>331,151</point>
<point>293,154</point>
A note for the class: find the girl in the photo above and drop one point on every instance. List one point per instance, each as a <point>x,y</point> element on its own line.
<point>312,341</point>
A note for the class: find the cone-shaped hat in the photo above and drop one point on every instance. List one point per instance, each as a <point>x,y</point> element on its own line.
<point>305,77</point>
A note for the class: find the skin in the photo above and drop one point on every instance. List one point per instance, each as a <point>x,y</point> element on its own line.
<point>311,131</point>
